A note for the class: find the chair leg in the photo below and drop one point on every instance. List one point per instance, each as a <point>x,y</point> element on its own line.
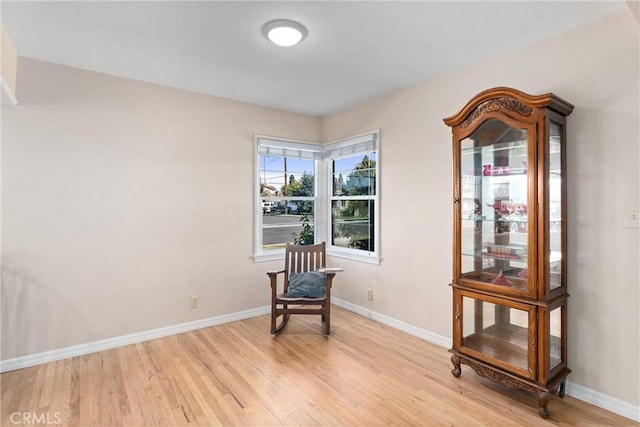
<point>327,320</point>
<point>274,306</point>
<point>275,329</point>
<point>283,323</point>
<point>273,322</point>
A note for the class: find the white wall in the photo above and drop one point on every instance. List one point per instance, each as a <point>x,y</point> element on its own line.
<point>8,68</point>
<point>596,67</point>
<point>121,200</point>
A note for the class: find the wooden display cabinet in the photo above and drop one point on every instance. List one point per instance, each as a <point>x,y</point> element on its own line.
<point>509,261</point>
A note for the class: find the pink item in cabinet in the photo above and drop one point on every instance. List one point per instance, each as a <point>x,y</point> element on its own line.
<point>502,280</point>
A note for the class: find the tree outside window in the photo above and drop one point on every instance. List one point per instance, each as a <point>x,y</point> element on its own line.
<point>353,202</point>
<point>287,190</point>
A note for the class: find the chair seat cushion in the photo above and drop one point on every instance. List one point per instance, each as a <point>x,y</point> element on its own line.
<point>310,284</point>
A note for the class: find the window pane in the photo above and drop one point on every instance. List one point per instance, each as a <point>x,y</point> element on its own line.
<point>286,176</point>
<point>352,224</point>
<point>355,176</point>
<point>286,221</point>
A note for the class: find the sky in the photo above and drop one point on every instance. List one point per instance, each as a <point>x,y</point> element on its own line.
<point>272,168</point>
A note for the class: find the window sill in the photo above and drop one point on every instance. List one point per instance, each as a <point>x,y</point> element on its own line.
<point>369,259</point>
<point>276,256</point>
<point>279,255</point>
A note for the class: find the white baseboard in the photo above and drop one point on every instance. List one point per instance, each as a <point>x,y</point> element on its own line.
<point>593,397</point>
<point>440,340</point>
<point>603,401</point>
<point>107,344</point>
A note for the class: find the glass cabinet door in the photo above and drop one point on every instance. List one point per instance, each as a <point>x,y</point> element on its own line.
<point>556,353</point>
<point>553,320</point>
<point>494,207</point>
<point>555,206</point>
<point>499,332</point>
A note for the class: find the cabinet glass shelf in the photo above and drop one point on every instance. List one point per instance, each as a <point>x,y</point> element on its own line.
<point>494,205</point>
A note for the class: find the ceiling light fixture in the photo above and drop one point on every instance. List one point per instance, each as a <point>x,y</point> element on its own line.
<point>284,32</point>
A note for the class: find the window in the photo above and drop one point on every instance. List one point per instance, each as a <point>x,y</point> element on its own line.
<point>286,194</point>
<point>310,192</point>
<point>353,197</point>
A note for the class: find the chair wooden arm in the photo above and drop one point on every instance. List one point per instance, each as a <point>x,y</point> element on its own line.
<point>273,279</point>
<point>274,273</point>
<point>273,283</point>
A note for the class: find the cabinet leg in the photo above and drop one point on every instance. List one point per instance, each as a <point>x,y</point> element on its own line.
<point>456,371</point>
<point>543,401</point>
<point>561,390</point>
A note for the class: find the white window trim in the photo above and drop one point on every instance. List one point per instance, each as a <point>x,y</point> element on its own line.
<point>282,147</point>
<point>323,154</point>
<point>359,144</point>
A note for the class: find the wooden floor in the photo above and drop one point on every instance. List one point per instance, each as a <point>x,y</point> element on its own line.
<point>365,373</point>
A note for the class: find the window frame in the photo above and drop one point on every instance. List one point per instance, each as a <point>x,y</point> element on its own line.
<point>280,147</point>
<point>323,156</point>
<point>349,147</point>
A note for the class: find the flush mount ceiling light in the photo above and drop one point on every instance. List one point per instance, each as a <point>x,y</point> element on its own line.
<point>284,32</point>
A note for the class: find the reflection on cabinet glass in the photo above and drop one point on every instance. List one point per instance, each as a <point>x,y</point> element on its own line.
<point>555,337</point>
<point>495,205</point>
<point>509,259</point>
<point>554,190</point>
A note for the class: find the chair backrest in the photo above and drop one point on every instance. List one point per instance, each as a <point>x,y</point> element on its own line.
<point>302,258</point>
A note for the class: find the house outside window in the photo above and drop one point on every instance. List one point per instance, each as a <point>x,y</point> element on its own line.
<point>308,192</point>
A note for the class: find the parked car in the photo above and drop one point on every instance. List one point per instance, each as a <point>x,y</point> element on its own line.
<point>267,207</point>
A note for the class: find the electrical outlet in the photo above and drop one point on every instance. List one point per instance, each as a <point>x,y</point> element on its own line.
<point>369,294</point>
<point>195,301</point>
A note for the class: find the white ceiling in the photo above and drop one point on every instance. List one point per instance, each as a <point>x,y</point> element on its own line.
<point>355,50</point>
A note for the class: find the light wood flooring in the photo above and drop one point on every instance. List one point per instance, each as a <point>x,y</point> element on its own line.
<point>237,374</point>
